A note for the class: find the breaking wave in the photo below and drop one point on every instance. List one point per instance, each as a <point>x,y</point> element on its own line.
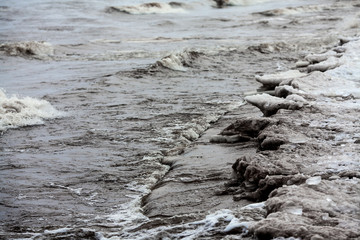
<point>150,8</point>
<point>179,61</point>
<point>19,112</point>
<point>28,49</point>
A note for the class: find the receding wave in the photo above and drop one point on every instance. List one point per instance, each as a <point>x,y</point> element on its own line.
<point>19,112</point>
<point>28,49</point>
<point>150,8</point>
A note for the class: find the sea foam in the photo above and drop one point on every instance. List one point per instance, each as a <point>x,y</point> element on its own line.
<point>19,112</point>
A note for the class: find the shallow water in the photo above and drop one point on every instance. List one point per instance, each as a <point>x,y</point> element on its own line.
<point>122,112</point>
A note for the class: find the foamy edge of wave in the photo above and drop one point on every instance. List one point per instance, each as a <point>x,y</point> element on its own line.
<point>220,221</point>
<point>149,8</point>
<point>18,112</point>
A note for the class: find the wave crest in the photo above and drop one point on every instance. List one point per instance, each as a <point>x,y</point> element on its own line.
<point>150,8</point>
<point>19,112</point>
<point>178,61</point>
<point>28,49</point>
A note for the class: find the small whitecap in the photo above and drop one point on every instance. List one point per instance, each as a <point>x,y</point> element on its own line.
<point>313,180</point>
<point>19,112</point>
<point>295,210</point>
<point>254,205</point>
<point>57,231</point>
<point>235,223</point>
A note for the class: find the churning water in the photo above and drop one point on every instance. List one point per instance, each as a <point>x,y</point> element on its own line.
<point>96,94</point>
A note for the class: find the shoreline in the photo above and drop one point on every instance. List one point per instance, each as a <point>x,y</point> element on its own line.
<point>302,163</point>
<point>303,166</point>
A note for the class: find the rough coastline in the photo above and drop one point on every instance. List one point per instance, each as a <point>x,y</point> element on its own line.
<point>307,167</point>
